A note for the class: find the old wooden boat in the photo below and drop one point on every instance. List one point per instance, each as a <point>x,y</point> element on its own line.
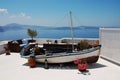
<point>91,55</point>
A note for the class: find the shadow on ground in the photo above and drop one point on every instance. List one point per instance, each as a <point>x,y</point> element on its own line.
<point>66,66</point>
<point>96,65</point>
<point>55,66</point>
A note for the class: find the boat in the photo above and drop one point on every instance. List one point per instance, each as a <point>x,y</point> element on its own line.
<point>91,55</point>
<point>61,53</point>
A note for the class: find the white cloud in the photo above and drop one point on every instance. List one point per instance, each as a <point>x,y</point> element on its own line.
<point>20,15</point>
<point>3,11</point>
<point>23,15</point>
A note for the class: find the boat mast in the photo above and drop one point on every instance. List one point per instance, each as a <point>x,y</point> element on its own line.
<point>71,24</point>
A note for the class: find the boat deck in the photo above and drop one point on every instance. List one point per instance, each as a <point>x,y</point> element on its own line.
<point>14,67</point>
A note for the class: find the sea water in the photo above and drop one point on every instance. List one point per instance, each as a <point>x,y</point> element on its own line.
<point>52,33</point>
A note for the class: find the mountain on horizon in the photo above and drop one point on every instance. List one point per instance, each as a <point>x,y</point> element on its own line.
<point>16,26</point>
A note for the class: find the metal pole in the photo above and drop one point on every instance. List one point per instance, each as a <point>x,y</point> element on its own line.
<point>71,24</point>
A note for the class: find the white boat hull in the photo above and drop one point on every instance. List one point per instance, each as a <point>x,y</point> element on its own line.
<point>91,55</point>
<point>68,58</point>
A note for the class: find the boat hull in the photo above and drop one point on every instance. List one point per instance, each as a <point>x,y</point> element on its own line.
<point>91,57</point>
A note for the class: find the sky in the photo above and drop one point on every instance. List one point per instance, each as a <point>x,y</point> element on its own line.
<point>56,12</point>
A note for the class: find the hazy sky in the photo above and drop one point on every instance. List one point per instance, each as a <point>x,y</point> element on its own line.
<point>56,12</point>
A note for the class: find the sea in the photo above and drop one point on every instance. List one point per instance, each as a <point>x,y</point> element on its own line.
<point>52,33</point>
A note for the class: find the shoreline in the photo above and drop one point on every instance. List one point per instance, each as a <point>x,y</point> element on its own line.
<point>55,38</point>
